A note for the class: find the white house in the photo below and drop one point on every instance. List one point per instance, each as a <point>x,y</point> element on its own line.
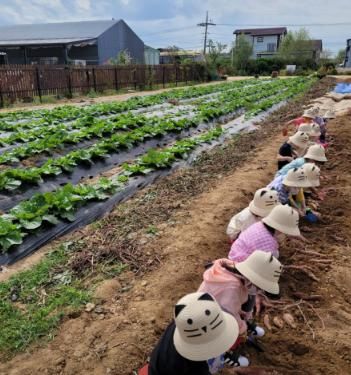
<point>265,42</point>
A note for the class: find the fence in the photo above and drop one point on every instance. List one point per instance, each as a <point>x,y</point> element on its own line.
<point>23,82</point>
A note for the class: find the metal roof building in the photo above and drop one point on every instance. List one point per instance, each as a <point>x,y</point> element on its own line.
<point>88,42</point>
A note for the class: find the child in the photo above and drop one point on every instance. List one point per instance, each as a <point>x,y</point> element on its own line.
<point>293,183</point>
<point>200,331</point>
<point>294,147</point>
<point>307,117</point>
<point>232,283</point>
<point>282,220</point>
<point>262,204</point>
<point>312,130</point>
<point>296,180</point>
<point>315,154</point>
<point>328,115</point>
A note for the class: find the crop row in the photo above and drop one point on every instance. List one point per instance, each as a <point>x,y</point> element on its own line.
<point>89,127</point>
<point>50,207</point>
<point>11,179</point>
<point>68,113</point>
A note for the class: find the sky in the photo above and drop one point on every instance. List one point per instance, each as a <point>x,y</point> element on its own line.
<point>162,23</point>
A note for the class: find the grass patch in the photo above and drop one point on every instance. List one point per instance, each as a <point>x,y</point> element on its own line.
<point>33,302</point>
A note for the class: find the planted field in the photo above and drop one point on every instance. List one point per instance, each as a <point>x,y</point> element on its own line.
<point>57,165</point>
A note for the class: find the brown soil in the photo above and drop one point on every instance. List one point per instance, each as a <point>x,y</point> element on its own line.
<point>191,210</point>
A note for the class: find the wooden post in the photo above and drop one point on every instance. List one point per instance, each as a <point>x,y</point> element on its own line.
<point>2,104</point>
<point>164,76</point>
<point>37,73</point>
<point>176,75</point>
<point>135,81</point>
<point>94,79</point>
<point>69,82</point>
<point>116,78</point>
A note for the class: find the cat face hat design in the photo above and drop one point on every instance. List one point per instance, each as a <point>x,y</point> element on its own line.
<point>262,269</point>
<point>203,331</point>
<point>300,139</point>
<point>264,201</point>
<point>312,130</point>
<point>296,178</point>
<point>311,113</point>
<point>312,173</point>
<point>285,219</point>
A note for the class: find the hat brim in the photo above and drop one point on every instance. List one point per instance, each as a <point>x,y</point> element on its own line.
<point>315,134</point>
<point>295,232</point>
<point>299,184</point>
<point>259,211</point>
<point>257,280</point>
<point>206,351</point>
<point>308,116</point>
<point>307,156</point>
<point>314,183</point>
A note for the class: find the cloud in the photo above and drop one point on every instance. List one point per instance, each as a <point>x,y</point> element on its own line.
<point>167,22</point>
<point>83,5</point>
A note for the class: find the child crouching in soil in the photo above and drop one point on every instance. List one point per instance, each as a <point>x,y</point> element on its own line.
<point>200,332</point>
<point>262,204</point>
<point>231,284</point>
<point>294,147</point>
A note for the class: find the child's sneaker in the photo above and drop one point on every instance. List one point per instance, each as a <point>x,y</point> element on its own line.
<point>233,359</point>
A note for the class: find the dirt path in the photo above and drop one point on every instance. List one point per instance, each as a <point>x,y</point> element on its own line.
<point>118,340</point>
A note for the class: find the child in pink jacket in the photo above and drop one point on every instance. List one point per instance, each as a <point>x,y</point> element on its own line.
<point>231,284</point>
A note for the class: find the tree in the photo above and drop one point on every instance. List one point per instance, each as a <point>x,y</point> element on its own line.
<point>326,57</point>
<point>215,51</point>
<point>123,58</point>
<point>241,53</point>
<point>340,57</point>
<point>296,47</point>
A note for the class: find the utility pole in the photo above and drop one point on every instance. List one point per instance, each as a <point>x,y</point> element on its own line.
<point>205,25</point>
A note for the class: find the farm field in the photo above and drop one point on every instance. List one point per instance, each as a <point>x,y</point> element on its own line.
<point>102,285</point>
<point>55,164</point>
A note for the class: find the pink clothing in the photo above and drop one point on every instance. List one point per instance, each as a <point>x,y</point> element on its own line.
<point>298,121</point>
<point>256,237</point>
<point>228,289</point>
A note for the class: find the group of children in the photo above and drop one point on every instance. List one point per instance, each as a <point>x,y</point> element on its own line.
<point>211,325</point>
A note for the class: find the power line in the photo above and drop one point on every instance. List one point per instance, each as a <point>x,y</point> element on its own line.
<point>166,31</point>
<point>205,25</point>
<point>286,25</point>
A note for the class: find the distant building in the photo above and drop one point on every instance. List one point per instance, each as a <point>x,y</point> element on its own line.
<point>347,63</point>
<point>84,43</point>
<point>172,56</point>
<point>317,48</point>
<point>265,42</point>
<point>151,55</point>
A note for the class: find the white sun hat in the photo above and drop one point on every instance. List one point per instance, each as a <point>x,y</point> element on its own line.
<point>296,177</point>
<point>262,269</point>
<point>311,113</point>
<point>305,128</point>
<point>203,331</point>
<point>300,139</point>
<point>329,114</point>
<point>315,130</point>
<point>285,219</point>
<point>316,152</point>
<point>264,201</point>
<point>313,174</point>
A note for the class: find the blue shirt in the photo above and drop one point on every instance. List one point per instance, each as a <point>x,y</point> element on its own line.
<point>297,163</point>
<point>277,185</point>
